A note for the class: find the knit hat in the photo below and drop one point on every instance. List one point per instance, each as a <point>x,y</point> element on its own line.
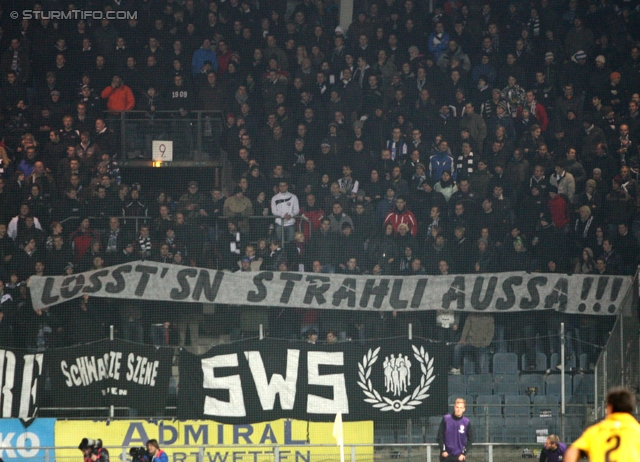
<point>580,55</point>
<point>503,105</point>
<point>246,259</point>
<point>548,55</point>
<point>553,189</point>
<point>589,252</point>
<point>615,75</point>
<point>601,59</point>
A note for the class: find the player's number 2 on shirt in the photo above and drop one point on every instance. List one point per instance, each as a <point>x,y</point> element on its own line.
<point>616,440</point>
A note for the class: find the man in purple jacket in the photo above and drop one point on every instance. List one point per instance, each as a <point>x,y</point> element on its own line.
<point>455,434</point>
<point>553,450</point>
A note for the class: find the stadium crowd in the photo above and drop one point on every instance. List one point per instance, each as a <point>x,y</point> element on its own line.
<point>484,136</point>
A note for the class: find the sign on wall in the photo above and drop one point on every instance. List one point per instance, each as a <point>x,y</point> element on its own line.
<point>106,373</point>
<point>19,442</point>
<point>19,381</point>
<point>262,380</point>
<point>223,443</point>
<point>500,292</point>
<point>162,151</point>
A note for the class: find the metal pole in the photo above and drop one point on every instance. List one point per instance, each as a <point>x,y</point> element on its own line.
<point>410,331</point>
<point>112,332</point>
<point>123,135</point>
<point>623,375</point>
<point>201,454</point>
<point>47,456</point>
<point>276,454</point>
<point>199,134</point>
<point>604,377</point>
<point>562,378</point>
<point>123,455</point>
<point>490,450</point>
<point>353,454</point>
<point>595,390</point>
<point>112,411</point>
<point>428,453</point>
<point>261,332</point>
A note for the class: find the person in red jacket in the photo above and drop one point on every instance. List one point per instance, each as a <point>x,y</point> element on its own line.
<point>559,208</point>
<point>313,215</point>
<point>119,96</point>
<point>400,214</point>
<point>81,240</point>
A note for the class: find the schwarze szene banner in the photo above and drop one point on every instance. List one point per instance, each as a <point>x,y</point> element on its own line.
<point>499,292</point>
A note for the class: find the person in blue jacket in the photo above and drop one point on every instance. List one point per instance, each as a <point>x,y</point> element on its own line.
<point>553,450</point>
<point>205,53</point>
<point>157,454</point>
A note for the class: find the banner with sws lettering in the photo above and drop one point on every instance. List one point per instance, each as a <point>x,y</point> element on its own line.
<point>106,373</point>
<point>263,380</point>
<point>222,443</point>
<point>500,292</point>
<point>20,373</point>
<point>21,443</point>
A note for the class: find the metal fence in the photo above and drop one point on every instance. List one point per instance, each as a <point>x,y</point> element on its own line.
<point>488,452</point>
<point>195,135</point>
<point>619,362</point>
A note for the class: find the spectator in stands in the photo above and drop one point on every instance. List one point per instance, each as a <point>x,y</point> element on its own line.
<point>476,336</point>
<point>118,95</point>
<point>284,205</point>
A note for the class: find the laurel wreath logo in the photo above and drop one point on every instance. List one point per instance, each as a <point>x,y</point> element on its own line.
<point>409,402</point>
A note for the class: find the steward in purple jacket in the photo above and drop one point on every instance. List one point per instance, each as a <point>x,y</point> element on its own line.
<point>455,434</point>
<point>553,450</point>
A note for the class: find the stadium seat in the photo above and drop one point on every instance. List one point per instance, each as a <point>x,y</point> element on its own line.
<point>542,404</point>
<point>583,385</point>
<point>517,405</point>
<point>554,385</point>
<point>384,436</point>
<point>541,362</point>
<point>468,366</point>
<point>457,385</point>
<point>432,428</point>
<point>480,384</point>
<point>528,381</point>
<point>576,405</point>
<point>542,423</point>
<point>418,434</point>
<point>488,405</point>
<point>484,429</point>
<point>517,430</point>
<point>505,363</point>
<point>573,427</point>
<point>505,384</point>
<point>496,429</point>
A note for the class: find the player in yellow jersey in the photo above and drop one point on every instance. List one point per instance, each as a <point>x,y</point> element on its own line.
<point>616,438</point>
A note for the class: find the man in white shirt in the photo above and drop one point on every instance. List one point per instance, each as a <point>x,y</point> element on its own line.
<point>285,207</point>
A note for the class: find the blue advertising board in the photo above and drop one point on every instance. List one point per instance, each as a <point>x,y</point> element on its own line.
<point>19,442</point>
